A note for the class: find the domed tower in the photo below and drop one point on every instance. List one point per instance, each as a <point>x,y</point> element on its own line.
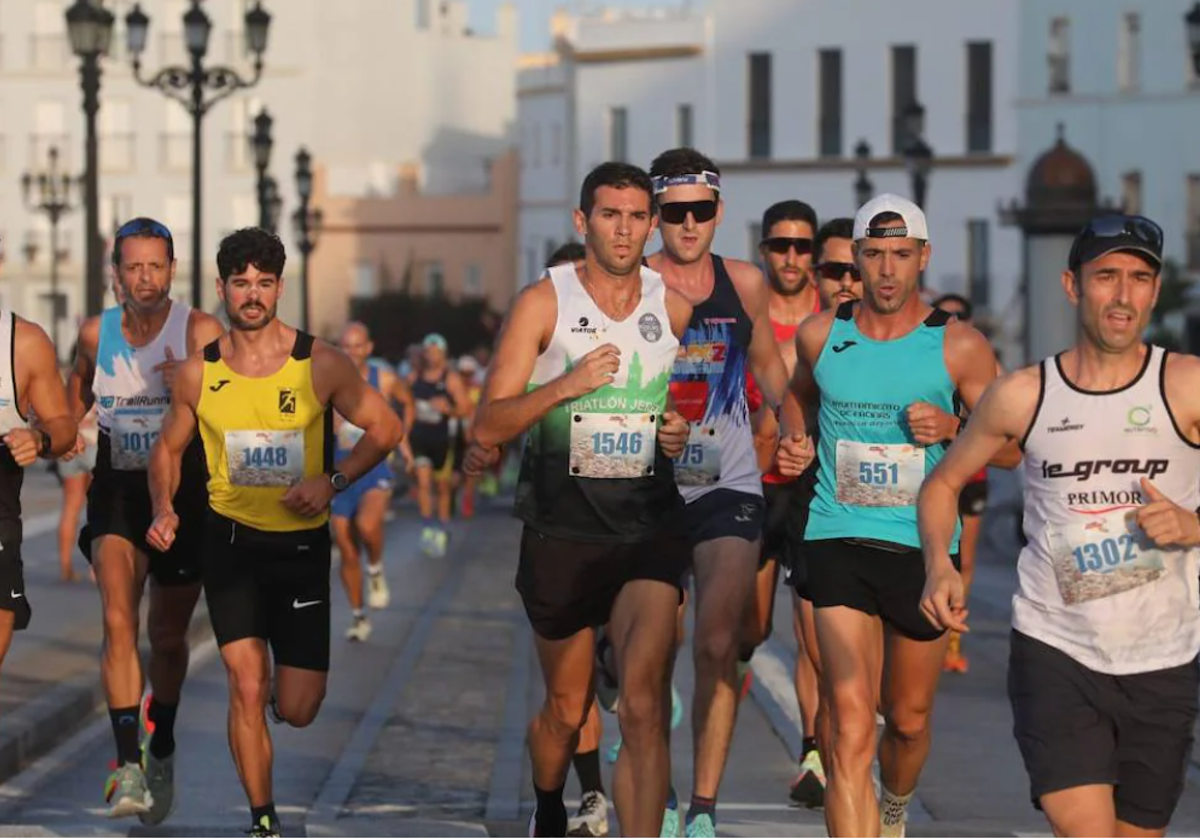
<point>1060,198</point>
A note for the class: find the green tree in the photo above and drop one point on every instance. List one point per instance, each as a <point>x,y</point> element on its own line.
<point>1173,297</point>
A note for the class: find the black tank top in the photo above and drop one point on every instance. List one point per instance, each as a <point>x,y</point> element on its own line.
<point>423,392</point>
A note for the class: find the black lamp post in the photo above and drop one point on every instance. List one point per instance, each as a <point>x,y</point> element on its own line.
<point>260,144</point>
<point>917,153</point>
<point>307,222</point>
<point>189,86</point>
<point>90,27</point>
<point>1192,20</point>
<point>863,188</point>
<point>49,192</point>
<point>273,203</point>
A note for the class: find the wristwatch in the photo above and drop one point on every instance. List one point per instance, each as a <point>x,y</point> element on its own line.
<point>339,481</point>
<point>44,443</point>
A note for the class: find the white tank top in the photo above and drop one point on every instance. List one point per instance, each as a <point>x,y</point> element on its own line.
<point>1090,583</point>
<point>131,397</point>
<point>10,410</point>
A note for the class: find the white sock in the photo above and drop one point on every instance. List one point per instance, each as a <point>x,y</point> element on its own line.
<point>893,810</point>
<point>374,569</point>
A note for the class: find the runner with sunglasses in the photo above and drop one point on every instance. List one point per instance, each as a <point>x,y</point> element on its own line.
<point>126,362</point>
<point>838,278</point>
<point>1102,676</point>
<point>718,475</point>
<point>879,436</point>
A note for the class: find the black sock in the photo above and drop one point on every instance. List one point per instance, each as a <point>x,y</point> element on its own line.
<point>745,654</point>
<point>807,746</point>
<point>587,767</point>
<point>125,731</point>
<point>702,805</point>
<point>551,818</point>
<point>260,811</point>
<point>162,715</point>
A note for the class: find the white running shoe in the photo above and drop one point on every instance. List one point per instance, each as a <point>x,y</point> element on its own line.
<point>591,820</point>
<point>378,594</point>
<point>127,793</point>
<point>359,629</point>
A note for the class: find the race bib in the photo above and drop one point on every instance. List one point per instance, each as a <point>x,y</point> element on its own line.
<point>1098,555</point>
<point>613,445</point>
<point>132,436</point>
<point>879,474</point>
<point>348,436</point>
<point>426,413</point>
<point>700,463</point>
<point>265,459</point>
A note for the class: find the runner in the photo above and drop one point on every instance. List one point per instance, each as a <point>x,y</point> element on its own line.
<point>75,473</point>
<point>717,474</point>
<point>358,513</point>
<point>971,504</point>
<point>597,489</point>
<point>439,396</point>
<point>1102,672</point>
<point>126,361</point>
<point>879,436</point>
<point>260,399</point>
<point>468,369</point>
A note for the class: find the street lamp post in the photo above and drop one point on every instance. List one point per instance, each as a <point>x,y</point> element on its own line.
<point>1192,21</point>
<point>273,203</point>
<point>863,188</point>
<point>917,153</point>
<point>260,144</point>
<point>49,192</point>
<point>307,222</point>
<point>190,85</point>
<point>90,27</point>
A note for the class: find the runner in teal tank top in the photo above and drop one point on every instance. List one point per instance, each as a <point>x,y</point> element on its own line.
<point>886,376</point>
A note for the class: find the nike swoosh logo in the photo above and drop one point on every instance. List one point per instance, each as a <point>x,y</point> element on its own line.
<point>221,383</point>
<point>297,604</point>
<point>845,345</point>
<point>16,594</point>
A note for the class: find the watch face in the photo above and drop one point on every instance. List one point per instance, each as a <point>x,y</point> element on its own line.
<point>339,481</point>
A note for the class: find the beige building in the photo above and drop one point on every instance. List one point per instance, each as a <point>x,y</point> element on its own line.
<point>462,246</point>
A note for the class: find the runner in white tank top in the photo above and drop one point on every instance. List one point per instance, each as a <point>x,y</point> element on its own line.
<point>1106,618</point>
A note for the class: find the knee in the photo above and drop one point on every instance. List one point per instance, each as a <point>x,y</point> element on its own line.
<point>170,643</point>
<point>565,713</point>
<point>249,690</point>
<point>120,626</point>
<point>640,714</point>
<point>300,711</point>
<point>910,726</point>
<point>716,647</point>
<point>853,727</point>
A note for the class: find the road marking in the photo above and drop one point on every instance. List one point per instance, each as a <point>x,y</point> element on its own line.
<point>508,776</point>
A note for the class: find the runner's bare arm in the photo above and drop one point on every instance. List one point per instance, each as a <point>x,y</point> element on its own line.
<point>1181,387</point>
<point>810,341</point>
<point>338,382</point>
<point>972,363</point>
<point>83,370</point>
<point>459,398</point>
<point>178,429</point>
<point>679,311</point>
<point>203,329</point>
<point>40,386</point>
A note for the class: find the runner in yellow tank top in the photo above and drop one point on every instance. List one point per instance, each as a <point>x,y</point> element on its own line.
<point>261,397</point>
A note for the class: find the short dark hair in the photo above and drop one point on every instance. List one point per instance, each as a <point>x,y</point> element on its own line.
<point>250,246</point>
<point>951,297</point>
<point>788,211</point>
<point>142,227</point>
<point>614,174</point>
<point>568,252</point>
<point>840,228</point>
<point>682,161</point>
<point>884,218</point>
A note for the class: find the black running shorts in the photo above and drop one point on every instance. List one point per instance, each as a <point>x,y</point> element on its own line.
<point>271,585</point>
<point>877,578</point>
<point>430,444</point>
<point>724,513</point>
<point>13,597</point>
<point>972,501</point>
<point>567,585</point>
<point>118,504</point>
<point>1079,727</point>
<point>783,529</point>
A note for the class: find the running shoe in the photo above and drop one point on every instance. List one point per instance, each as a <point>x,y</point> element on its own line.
<point>955,662</point>
<point>808,788</point>
<point>273,711</point>
<point>614,752</point>
<point>427,541</point>
<point>744,677</point>
<point>671,823</point>
<point>265,827</point>
<point>591,820</point>
<point>440,540</point>
<point>126,792</point>
<point>359,629</point>
<point>701,826</point>
<point>378,594</point>
<point>160,773</point>
<point>676,708</point>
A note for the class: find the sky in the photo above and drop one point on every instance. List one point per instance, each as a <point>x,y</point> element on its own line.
<point>535,15</point>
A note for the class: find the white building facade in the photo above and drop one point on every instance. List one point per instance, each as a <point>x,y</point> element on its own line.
<point>373,89</point>
<point>779,95</point>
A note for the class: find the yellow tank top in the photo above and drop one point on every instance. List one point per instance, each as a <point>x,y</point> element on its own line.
<point>262,435</point>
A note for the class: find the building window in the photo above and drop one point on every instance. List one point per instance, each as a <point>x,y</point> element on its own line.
<point>683,126</point>
<point>756,235</point>
<point>116,136</point>
<point>1193,226</point>
<point>1059,55</point>
<point>366,280</point>
<point>1131,192</point>
<point>1129,52</point>
<point>435,280</point>
<point>904,92</point>
<point>760,105</point>
<point>829,72</point>
<point>473,281</point>
<point>50,132</point>
<point>618,134</point>
<point>49,48</point>
<point>979,96</point>
<point>978,279</point>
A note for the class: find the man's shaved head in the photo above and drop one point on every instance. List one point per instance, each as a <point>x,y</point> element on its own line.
<point>356,342</point>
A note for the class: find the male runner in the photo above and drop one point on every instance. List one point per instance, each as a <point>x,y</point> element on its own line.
<point>260,399</point>
<point>439,397</point>
<point>717,474</point>
<point>125,363</point>
<point>838,279</point>
<point>358,513</point>
<point>971,504</point>
<point>583,365</point>
<point>879,437</point>
<point>1102,672</point>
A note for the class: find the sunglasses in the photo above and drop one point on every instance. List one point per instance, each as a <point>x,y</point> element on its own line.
<point>782,244</point>
<point>1138,228</point>
<point>838,270</point>
<point>676,212</point>
<point>143,226</point>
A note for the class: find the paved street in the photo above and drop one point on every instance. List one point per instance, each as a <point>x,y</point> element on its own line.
<point>422,732</point>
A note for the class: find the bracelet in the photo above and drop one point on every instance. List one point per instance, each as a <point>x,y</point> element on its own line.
<point>45,443</point>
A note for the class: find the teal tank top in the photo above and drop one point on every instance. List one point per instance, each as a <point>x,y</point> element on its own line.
<point>870,470</point>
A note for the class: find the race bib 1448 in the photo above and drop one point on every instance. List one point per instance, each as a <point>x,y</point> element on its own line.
<point>265,459</point>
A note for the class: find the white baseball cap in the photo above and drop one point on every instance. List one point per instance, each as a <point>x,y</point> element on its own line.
<point>914,219</point>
